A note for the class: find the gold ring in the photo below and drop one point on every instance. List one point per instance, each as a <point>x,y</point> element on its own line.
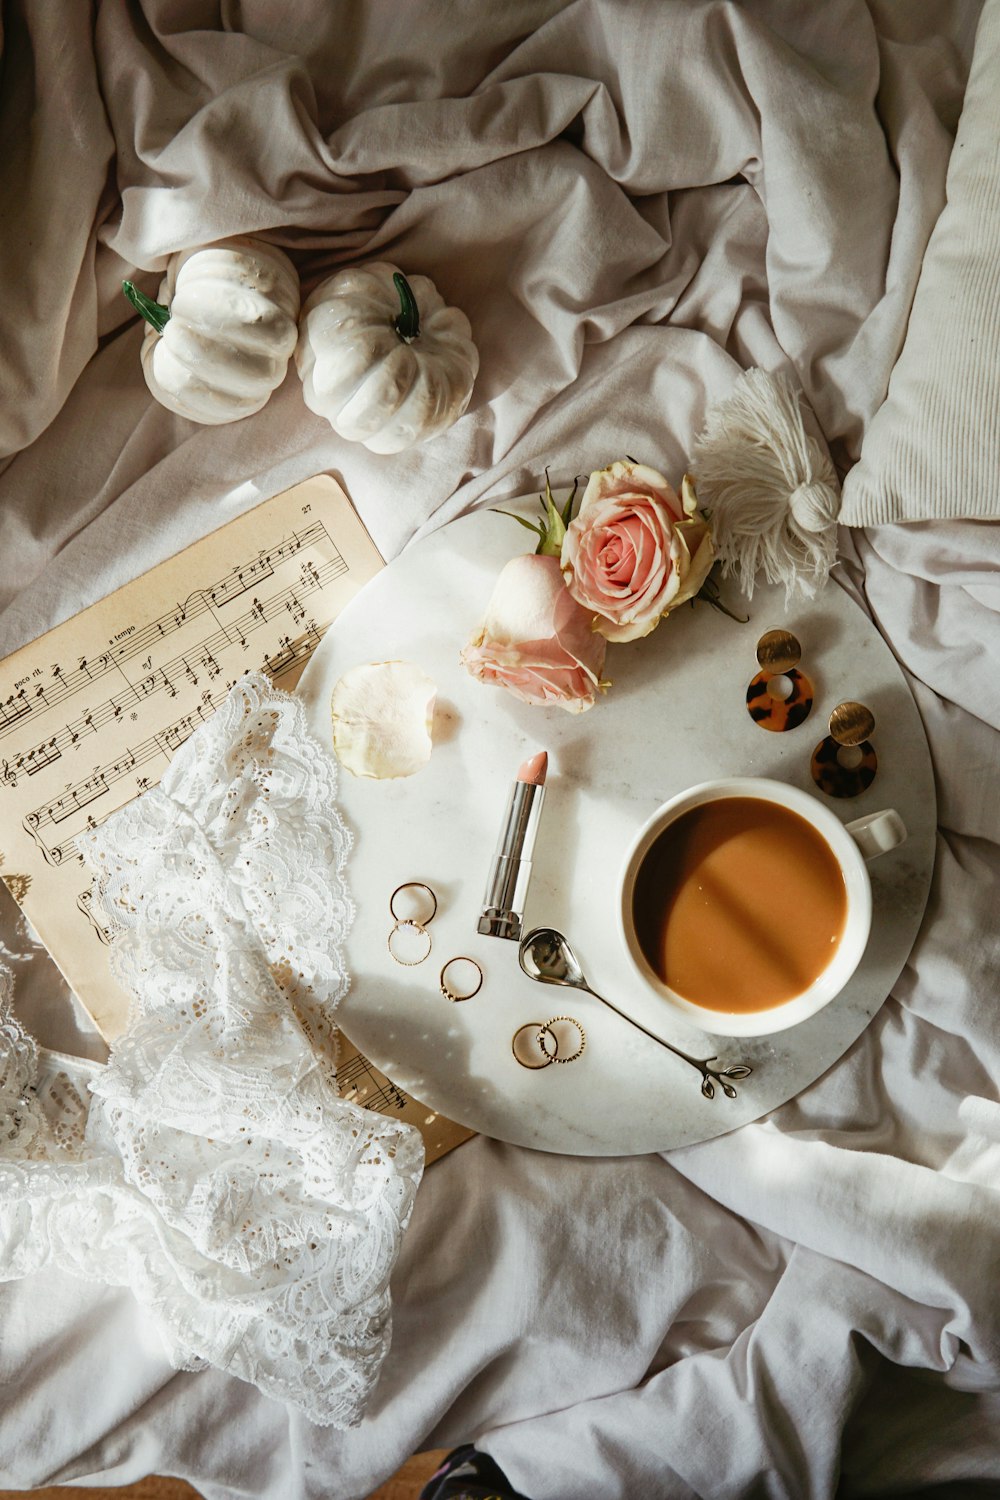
<point>420,886</point>
<point>447,991</point>
<point>537,1027</point>
<point>554,1021</point>
<point>409,963</point>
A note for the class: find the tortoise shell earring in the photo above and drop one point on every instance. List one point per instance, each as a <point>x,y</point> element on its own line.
<point>845,764</point>
<point>780,697</point>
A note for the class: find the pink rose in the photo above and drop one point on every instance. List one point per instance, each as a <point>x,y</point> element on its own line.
<point>635,550</point>
<point>536,641</point>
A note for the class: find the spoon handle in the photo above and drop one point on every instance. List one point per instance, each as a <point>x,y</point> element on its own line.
<point>738,1070</point>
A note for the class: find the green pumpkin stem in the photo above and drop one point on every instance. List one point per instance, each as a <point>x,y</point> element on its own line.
<point>155,313</point>
<point>407,323</point>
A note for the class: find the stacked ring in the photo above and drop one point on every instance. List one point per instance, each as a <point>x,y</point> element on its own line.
<point>417,885</point>
<point>415,924</point>
<point>546,1040</point>
<point>536,1028</point>
<point>401,926</point>
<point>569,1020</point>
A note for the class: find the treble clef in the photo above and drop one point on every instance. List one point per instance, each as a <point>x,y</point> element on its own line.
<point>9,776</point>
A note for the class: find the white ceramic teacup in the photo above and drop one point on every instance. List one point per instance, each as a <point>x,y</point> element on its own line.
<point>851,844</point>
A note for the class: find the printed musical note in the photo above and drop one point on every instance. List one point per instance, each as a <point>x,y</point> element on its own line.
<point>43,755</point>
<point>209,663</point>
<point>92,713</point>
<point>360,1082</point>
<point>85,903</point>
<point>75,800</point>
<point>12,710</point>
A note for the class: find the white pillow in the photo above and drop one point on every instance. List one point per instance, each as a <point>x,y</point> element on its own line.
<point>933,448</point>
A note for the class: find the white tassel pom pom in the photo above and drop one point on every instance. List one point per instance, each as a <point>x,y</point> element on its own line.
<point>769,488</point>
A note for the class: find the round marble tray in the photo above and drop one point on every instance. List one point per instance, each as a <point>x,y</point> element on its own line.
<point>675,715</point>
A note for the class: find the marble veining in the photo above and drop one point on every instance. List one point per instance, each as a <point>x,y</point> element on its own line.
<point>674,716</point>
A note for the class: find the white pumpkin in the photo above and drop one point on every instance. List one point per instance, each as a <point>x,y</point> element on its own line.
<point>382,358</point>
<point>220,337</point>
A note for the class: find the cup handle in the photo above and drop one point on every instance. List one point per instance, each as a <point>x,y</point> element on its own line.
<point>878,832</point>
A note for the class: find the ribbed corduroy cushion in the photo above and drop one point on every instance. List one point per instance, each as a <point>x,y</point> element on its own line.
<point>933,448</point>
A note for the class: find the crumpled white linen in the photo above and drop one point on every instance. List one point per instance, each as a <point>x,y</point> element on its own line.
<point>939,420</point>
<point>631,202</point>
<point>214,1171</point>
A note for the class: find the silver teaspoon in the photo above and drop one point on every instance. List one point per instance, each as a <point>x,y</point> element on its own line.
<point>546,955</point>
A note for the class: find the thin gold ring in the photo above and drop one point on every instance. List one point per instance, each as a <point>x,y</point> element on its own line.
<point>447,991</point>
<point>409,963</point>
<point>421,886</point>
<point>538,1028</point>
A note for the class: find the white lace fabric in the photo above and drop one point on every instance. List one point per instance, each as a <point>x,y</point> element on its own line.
<point>212,1167</point>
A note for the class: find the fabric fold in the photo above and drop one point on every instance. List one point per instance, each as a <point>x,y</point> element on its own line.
<point>218,1174</point>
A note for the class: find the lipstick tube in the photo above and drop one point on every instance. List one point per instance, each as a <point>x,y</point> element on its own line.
<point>510,872</point>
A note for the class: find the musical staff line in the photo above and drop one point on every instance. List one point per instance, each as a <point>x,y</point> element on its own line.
<point>165,679</point>
<point>164,743</point>
<point>161,744</point>
<point>378,1093</point>
<point>93,711</point>
<point>34,697</point>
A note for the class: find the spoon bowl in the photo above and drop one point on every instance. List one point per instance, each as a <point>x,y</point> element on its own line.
<point>546,955</point>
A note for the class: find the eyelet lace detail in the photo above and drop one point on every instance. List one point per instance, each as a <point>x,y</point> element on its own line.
<point>217,1172</point>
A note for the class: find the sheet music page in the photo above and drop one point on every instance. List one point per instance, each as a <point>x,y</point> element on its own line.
<point>92,712</point>
<point>360,1081</point>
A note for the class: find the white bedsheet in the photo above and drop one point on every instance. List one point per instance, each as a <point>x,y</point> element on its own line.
<point>631,201</point>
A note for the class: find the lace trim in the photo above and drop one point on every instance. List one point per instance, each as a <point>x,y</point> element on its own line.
<point>217,1172</point>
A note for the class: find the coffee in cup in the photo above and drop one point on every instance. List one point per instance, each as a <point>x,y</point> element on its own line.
<point>746,903</point>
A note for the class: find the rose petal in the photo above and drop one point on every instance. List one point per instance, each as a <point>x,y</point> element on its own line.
<point>629,555</point>
<point>536,641</point>
<point>382,717</point>
<point>624,478</point>
<point>697,539</point>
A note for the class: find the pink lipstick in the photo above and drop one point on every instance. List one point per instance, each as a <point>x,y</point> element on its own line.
<point>510,872</point>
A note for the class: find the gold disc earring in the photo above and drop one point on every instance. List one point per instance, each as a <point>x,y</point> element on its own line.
<point>845,764</point>
<point>780,697</point>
